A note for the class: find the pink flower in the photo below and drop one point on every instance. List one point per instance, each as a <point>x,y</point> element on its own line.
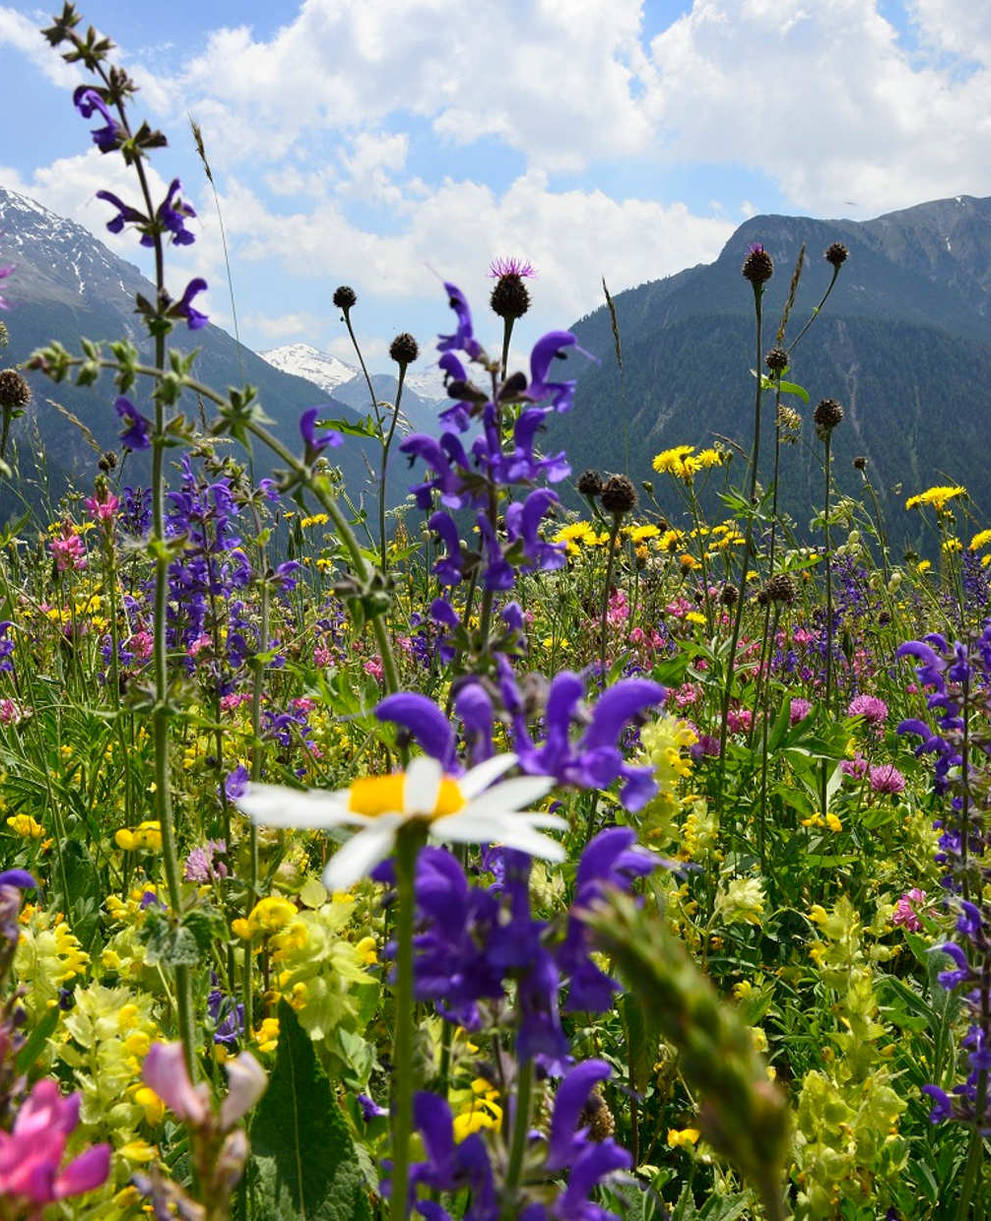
<point>164,1070</point>
<point>855,767</point>
<point>618,611</point>
<point>102,508</point>
<point>739,720</point>
<point>873,710</point>
<point>10,712</point>
<point>141,645</point>
<point>887,779</point>
<point>69,550</point>
<point>229,703</point>
<point>30,1154</point>
<point>800,709</point>
<point>374,667</point>
<point>905,909</point>
<point>322,656</point>
<point>686,694</point>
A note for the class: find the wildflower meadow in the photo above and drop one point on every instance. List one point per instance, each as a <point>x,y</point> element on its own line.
<point>482,856</point>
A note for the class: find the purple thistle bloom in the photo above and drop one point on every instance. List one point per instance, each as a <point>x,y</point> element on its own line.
<point>86,101</point>
<point>185,309</point>
<point>137,433</point>
<point>511,267</point>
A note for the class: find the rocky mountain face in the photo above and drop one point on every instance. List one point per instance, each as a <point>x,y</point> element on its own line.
<point>66,285</point>
<point>903,343</point>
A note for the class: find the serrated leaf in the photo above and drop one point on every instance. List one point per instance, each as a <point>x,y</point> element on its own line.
<point>304,1158</point>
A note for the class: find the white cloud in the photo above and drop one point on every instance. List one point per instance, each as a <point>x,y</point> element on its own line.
<point>23,34</point>
<point>824,99</point>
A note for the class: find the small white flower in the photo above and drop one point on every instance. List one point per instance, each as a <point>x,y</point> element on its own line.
<point>461,810</point>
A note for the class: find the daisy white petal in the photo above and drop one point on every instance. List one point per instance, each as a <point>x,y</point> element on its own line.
<point>362,852</point>
<point>512,794</point>
<point>481,776</point>
<point>422,786</point>
<point>511,832</point>
<point>275,805</point>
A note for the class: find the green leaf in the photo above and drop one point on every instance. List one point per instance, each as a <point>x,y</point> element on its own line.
<point>794,388</point>
<point>642,1040</point>
<point>304,1158</point>
<point>37,1039</point>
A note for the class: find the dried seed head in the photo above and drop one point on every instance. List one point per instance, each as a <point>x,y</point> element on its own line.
<point>827,415</point>
<point>15,393</point>
<point>619,495</point>
<point>728,595</point>
<point>510,298</point>
<point>758,266</point>
<point>776,360</point>
<point>590,483</point>
<point>860,463</point>
<point>108,462</point>
<point>597,1118</point>
<point>781,588</point>
<point>345,297</point>
<point>404,349</point>
<point>836,254</point>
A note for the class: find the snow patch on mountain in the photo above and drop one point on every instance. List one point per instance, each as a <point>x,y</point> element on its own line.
<point>303,360</point>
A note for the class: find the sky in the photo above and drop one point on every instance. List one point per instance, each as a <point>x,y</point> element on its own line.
<point>395,144</point>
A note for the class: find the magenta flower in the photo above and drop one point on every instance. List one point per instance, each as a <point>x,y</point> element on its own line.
<point>800,709</point>
<point>855,767</point>
<point>886,779</point>
<point>69,550</point>
<point>31,1154</point>
<point>906,909</point>
<point>873,710</point>
<point>511,267</point>
<point>165,1071</point>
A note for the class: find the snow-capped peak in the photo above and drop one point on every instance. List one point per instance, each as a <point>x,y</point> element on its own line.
<point>303,360</point>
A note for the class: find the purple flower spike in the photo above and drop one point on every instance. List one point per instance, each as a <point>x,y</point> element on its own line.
<point>173,217</point>
<point>137,434</point>
<point>425,721</point>
<point>19,878</point>
<point>545,350</point>
<point>572,1094</point>
<point>317,442</point>
<point>463,339</point>
<point>86,101</point>
<point>184,307</point>
<point>126,215</point>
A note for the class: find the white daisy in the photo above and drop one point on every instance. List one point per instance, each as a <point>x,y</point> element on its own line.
<point>461,810</point>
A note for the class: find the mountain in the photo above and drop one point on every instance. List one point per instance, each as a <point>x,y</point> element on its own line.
<point>903,343</point>
<point>68,284</point>
<point>422,392</point>
<point>303,360</point>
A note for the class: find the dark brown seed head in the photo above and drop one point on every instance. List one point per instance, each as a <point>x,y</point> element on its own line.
<point>758,266</point>
<point>590,483</point>
<point>728,595</point>
<point>619,495</point>
<point>108,462</point>
<point>15,393</point>
<point>510,298</point>
<point>780,588</point>
<point>404,349</point>
<point>837,254</point>
<point>776,360</point>
<point>345,297</point>
<point>860,463</point>
<point>827,415</point>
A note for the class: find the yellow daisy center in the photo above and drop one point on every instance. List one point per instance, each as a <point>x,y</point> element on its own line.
<point>376,795</point>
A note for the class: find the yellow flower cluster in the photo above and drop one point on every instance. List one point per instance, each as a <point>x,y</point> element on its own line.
<point>318,519</point>
<point>936,498</point>
<point>817,820</point>
<point>980,540</point>
<point>267,1035</point>
<point>684,463</point>
<point>48,955</point>
<point>479,1110</point>
<point>268,916</point>
<point>145,837</point>
<point>25,826</point>
<point>580,534</point>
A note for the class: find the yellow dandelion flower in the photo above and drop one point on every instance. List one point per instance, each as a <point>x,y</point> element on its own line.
<point>980,540</point>
<point>936,498</point>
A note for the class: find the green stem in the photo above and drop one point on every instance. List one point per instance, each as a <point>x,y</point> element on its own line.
<point>613,533</point>
<point>386,446</point>
<point>408,843</point>
<point>521,1125</point>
